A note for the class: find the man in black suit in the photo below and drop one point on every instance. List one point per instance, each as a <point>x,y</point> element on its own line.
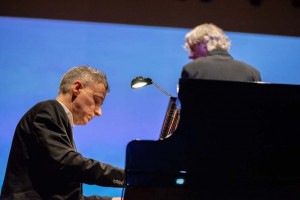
<point>208,47</point>
<point>43,161</point>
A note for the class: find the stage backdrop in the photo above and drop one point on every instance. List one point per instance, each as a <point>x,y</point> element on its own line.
<point>35,53</point>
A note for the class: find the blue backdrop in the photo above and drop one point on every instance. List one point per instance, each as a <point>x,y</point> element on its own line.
<point>35,53</point>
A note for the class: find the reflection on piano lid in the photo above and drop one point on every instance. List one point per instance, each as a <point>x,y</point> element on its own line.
<point>234,140</point>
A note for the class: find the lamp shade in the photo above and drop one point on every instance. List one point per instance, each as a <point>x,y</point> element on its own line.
<point>140,81</point>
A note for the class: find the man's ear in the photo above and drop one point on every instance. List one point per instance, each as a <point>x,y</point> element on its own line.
<point>76,88</point>
<point>205,44</point>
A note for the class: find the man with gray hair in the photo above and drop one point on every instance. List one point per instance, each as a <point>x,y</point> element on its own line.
<point>43,161</point>
<point>208,47</point>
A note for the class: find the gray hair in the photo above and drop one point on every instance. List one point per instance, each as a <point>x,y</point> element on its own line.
<point>210,33</point>
<point>85,74</point>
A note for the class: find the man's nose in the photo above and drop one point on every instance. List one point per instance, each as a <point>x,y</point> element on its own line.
<point>191,56</point>
<point>98,112</point>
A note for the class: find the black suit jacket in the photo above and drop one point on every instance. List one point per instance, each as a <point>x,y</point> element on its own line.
<point>220,65</point>
<point>43,161</point>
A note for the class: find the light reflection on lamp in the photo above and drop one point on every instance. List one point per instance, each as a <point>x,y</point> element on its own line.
<point>140,81</point>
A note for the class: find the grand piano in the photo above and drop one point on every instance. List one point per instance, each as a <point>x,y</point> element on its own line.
<point>233,140</point>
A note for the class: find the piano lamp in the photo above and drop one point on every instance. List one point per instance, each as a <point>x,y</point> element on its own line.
<point>140,81</point>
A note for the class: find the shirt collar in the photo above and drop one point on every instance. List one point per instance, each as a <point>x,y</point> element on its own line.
<point>68,112</point>
<point>219,51</point>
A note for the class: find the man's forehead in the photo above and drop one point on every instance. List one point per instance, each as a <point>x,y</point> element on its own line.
<point>100,89</point>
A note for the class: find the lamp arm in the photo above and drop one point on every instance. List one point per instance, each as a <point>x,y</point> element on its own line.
<point>165,92</point>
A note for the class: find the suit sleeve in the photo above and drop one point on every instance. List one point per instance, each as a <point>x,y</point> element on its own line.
<point>184,73</point>
<point>55,142</point>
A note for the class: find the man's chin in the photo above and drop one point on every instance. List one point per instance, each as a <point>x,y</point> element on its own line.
<point>82,123</point>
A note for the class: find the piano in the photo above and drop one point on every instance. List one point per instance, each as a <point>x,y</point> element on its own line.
<point>233,140</point>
